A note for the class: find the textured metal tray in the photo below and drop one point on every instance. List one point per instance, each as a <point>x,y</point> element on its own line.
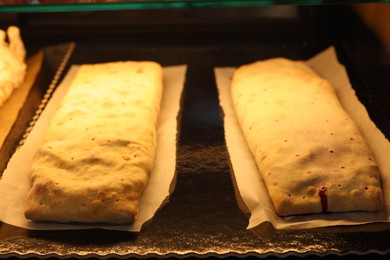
<point>202,218</point>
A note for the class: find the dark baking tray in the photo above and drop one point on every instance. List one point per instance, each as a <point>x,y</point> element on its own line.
<point>202,218</point>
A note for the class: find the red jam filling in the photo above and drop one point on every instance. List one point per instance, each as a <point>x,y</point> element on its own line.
<point>324,199</point>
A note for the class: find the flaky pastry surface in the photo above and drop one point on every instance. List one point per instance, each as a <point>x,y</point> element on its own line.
<point>309,152</point>
<point>12,62</point>
<point>99,149</point>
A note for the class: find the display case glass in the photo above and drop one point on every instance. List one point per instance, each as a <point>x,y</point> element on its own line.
<point>204,216</point>
<point>90,5</point>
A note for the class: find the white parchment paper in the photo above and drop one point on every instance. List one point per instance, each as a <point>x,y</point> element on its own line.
<point>249,183</point>
<point>15,183</point>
